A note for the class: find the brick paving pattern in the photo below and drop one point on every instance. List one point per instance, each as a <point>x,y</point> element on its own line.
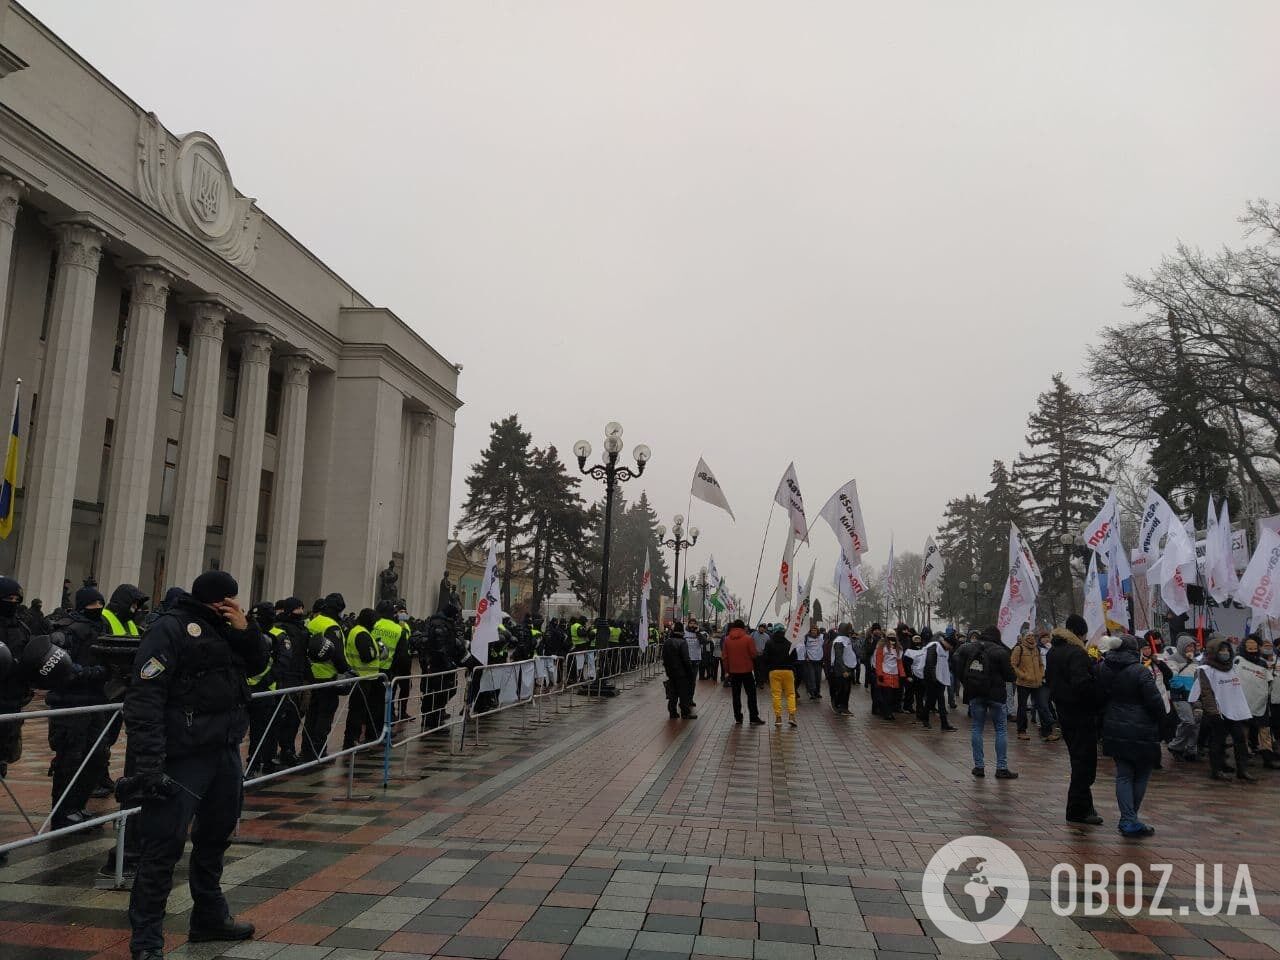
<point>612,833</point>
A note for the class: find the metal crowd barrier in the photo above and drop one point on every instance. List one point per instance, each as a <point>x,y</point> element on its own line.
<point>524,683</point>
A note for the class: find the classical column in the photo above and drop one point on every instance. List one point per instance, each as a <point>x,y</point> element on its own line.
<point>10,194</point>
<point>417,518</point>
<point>240,528</point>
<point>282,547</point>
<point>55,456</point>
<point>196,445</point>
<point>441,477</point>
<point>133,442</point>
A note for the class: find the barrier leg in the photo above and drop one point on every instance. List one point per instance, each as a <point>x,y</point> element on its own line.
<point>123,824</point>
<point>389,701</point>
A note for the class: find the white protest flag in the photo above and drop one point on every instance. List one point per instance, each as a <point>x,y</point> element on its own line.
<point>1230,540</point>
<point>782,596</point>
<point>932,566</point>
<point>1117,606</point>
<point>888,572</point>
<point>707,489</point>
<point>488,609</point>
<point>1156,517</point>
<point>844,513</point>
<point>800,615</point>
<point>1170,571</point>
<point>788,496</point>
<point>1260,584</point>
<point>1017,602</point>
<point>1103,536</point>
<point>713,576</point>
<point>1217,557</point>
<point>1018,545</point>
<point>1095,614</point>
<point>849,579</point>
<point>646,582</point>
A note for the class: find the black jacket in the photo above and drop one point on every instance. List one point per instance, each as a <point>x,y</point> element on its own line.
<point>997,672</point>
<point>1069,675</point>
<point>289,653</point>
<point>80,635</point>
<point>675,657</point>
<point>778,653</point>
<point>15,688</point>
<point>188,694</point>
<point>1134,708</point>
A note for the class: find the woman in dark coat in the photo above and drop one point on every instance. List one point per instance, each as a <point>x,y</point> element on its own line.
<point>1132,715</point>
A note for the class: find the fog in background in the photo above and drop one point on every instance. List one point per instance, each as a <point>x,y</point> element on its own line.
<point>857,235</point>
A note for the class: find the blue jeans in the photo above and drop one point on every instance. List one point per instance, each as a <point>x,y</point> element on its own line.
<point>979,710</point>
<point>1131,786</point>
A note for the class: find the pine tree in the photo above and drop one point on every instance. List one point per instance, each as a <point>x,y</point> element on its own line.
<point>497,504</point>
<point>558,519</point>
<point>959,539</point>
<point>1001,507</point>
<point>1061,476</point>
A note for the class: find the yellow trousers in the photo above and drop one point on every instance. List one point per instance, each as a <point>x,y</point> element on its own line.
<point>780,682</point>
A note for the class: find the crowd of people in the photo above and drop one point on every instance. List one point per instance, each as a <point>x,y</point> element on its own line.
<point>1132,699</point>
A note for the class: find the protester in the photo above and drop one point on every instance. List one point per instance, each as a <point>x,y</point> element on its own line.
<point>681,673</point>
<point>1182,664</point>
<point>1028,669</point>
<point>841,669</point>
<point>1220,693</point>
<point>984,672</point>
<point>811,665</point>
<point>889,669</point>
<point>1072,687</point>
<point>779,660</point>
<point>738,653</point>
<point>1133,714</point>
<point>1256,679</point>
<point>935,676</point>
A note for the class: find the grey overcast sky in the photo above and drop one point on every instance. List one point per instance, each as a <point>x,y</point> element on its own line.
<point>858,235</point>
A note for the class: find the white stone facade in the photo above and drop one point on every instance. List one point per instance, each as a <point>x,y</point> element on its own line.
<point>198,389</point>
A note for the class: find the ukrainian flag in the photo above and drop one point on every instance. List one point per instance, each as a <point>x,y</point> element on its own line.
<point>9,481</point>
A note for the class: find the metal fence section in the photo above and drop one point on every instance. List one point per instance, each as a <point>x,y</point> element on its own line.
<point>441,706</point>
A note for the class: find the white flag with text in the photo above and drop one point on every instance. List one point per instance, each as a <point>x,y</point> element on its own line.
<point>488,608</point>
<point>788,496</point>
<point>707,489</point>
<point>844,513</point>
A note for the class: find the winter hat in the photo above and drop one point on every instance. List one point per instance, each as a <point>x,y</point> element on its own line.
<point>290,604</point>
<point>87,596</point>
<point>992,635</point>
<point>214,586</point>
<point>10,587</point>
<point>1077,625</point>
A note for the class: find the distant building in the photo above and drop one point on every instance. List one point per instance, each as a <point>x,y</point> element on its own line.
<point>466,571</point>
<point>198,389</point>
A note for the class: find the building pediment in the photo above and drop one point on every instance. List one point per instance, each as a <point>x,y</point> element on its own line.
<point>188,181</point>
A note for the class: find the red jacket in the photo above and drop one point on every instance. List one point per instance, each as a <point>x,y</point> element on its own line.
<point>739,652</point>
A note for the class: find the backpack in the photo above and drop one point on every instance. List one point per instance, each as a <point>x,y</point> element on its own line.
<point>979,671</point>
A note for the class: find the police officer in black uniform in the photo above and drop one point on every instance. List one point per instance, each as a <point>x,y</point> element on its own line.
<point>72,737</point>
<point>186,713</point>
<point>15,687</point>
<point>292,669</point>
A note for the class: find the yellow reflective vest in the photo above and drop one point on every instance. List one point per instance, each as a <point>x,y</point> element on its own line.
<point>118,629</point>
<point>317,626</point>
<point>363,668</point>
<point>387,634</point>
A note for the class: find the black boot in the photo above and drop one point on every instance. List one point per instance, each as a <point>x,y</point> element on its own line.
<point>229,929</point>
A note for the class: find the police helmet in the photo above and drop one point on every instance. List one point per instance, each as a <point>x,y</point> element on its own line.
<point>6,661</point>
<point>47,663</point>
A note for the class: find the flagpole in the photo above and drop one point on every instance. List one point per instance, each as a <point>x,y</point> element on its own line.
<point>774,591</point>
<point>751,608</point>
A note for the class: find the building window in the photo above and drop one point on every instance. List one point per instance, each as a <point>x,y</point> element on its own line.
<point>181,354</point>
<point>230,384</point>
<point>122,330</point>
<point>221,484</point>
<point>169,480</point>
<point>264,501</point>
<point>48,294</point>
<point>275,384</point>
<point>105,470</point>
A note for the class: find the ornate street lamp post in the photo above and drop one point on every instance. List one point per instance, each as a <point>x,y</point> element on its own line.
<point>612,474</point>
<point>677,543</point>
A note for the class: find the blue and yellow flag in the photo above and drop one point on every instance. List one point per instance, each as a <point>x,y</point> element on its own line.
<point>9,481</point>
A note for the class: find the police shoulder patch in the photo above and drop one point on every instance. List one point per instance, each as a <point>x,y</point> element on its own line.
<point>151,669</point>
<point>193,629</point>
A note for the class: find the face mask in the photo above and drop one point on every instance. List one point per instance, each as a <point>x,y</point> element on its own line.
<point>402,617</point>
<point>8,608</point>
<point>1224,655</point>
<point>93,613</point>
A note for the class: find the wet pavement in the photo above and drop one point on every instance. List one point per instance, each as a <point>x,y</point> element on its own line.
<point>613,833</point>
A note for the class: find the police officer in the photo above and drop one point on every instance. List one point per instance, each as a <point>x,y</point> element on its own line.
<point>365,707</point>
<point>127,606</point>
<point>72,737</point>
<point>325,651</point>
<point>393,636</point>
<point>441,655</point>
<point>292,669</point>
<point>262,736</point>
<point>15,686</point>
<point>186,712</point>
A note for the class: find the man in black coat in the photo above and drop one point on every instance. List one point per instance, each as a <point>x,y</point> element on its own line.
<point>680,674</point>
<point>292,669</point>
<point>186,713</point>
<point>1069,675</point>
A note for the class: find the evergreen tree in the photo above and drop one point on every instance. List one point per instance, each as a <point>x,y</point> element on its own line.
<point>558,519</point>
<point>1061,477</point>
<point>1001,507</point>
<point>635,532</point>
<point>497,504</point>
<point>959,539</point>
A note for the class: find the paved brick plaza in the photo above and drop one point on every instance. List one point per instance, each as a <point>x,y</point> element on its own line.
<point>615,834</point>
